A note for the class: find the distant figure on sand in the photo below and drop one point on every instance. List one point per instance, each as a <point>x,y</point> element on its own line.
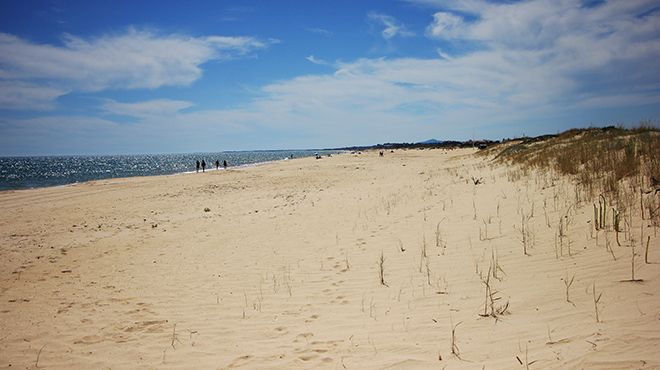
<point>203,166</point>
<point>381,153</point>
<point>217,164</point>
<point>224,164</point>
<point>197,166</point>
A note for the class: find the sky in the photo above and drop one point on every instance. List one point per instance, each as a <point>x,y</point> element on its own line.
<point>129,77</point>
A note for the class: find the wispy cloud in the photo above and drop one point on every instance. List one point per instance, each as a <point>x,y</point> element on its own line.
<point>315,60</point>
<point>26,95</point>
<point>150,108</point>
<point>392,28</point>
<point>134,59</point>
<point>442,54</point>
<point>320,31</point>
<point>236,13</point>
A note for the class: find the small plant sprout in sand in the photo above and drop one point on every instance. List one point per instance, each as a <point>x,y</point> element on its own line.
<point>526,236</point>
<point>424,253</point>
<point>608,247</point>
<point>439,241</point>
<point>483,234</point>
<point>421,261</point>
<point>36,364</point>
<point>527,362</point>
<point>596,300</point>
<point>568,284</point>
<point>488,298</point>
<point>454,347</point>
<point>562,234</point>
<point>442,286</point>
<point>545,213</point>
<point>600,212</point>
<point>632,263</point>
<point>381,268</point>
<point>428,273</point>
<point>616,224</point>
<point>491,297</point>
<point>495,265</point>
<point>175,337</point>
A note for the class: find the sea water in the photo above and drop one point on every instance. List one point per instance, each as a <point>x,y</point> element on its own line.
<point>33,172</point>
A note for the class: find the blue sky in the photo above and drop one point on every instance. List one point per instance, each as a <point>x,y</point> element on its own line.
<point>82,77</point>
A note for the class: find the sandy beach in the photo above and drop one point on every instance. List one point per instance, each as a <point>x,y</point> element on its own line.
<point>279,266</point>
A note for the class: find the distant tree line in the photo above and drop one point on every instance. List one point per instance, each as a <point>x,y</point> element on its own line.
<point>450,144</point>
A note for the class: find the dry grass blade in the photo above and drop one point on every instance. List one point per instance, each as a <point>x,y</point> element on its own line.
<point>596,301</point>
<point>381,266</point>
<point>454,347</point>
<point>36,364</point>
<point>568,284</point>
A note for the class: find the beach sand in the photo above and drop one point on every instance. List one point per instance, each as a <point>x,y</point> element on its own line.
<point>278,266</point>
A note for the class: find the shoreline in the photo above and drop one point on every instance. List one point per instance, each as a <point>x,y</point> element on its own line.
<point>246,165</point>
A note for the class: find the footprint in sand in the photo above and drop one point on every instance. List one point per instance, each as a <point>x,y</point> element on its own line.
<point>337,283</point>
<point>89,339</point>
<point>150,326</point>
<point>304,336</point>
<point>240,361</point>
<point>281,330</point>
<point>308,357</point>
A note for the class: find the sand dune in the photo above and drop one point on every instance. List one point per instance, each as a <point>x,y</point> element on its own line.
<point>278,266</point>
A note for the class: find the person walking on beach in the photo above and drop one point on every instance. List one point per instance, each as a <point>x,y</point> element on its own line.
<point>217,164</point>
<point>224,164</point>
<point>198,166</point>
<point>203,166</point>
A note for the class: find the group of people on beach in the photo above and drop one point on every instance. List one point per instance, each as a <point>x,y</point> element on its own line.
<point>202,164</point>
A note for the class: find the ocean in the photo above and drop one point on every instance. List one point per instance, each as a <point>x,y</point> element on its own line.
<point>36,172</point>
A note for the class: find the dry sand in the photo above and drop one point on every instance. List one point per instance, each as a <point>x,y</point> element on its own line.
<point>282,271</point>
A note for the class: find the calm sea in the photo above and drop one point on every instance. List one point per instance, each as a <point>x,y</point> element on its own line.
<point>34,172</point>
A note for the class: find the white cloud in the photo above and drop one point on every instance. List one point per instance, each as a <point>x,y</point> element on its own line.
<point>135,59</point>
<point>580,52</point>
<point>535,61</point>
<point>446,26</point>
<point>392,28</point>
